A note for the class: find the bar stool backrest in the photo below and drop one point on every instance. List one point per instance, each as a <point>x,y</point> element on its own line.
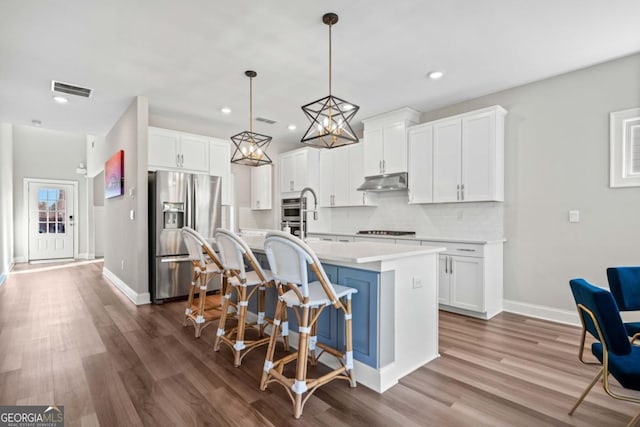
<point>195,245</point>
<point>233,250</point>
<point>288,258</point>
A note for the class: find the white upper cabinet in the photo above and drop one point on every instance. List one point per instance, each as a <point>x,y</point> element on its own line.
<point>220,165</point>
<point>447,148</point>
<point>356,177</point>
<point>385,141</point>
<point>467,159</point>
<point>340,176</point>
<point>176,150</point>
<point>482,157</point>
<point>420,161</point>
<point>261,194</point>
<point>298,169</point>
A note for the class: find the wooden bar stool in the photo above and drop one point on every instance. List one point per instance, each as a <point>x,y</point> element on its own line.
<point>233,251</point>
<point>203,310</point>
<point>289,257</point>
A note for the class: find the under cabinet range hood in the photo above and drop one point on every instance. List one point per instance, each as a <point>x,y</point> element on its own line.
<point>389,182</point>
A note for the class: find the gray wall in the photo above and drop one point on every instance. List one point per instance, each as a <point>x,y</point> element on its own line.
<point>126,239</point>
<point>6,200</point>
<point>46,154</point>
<point>557,159</point>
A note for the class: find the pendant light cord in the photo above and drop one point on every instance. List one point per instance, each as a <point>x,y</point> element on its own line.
<point>251,105</point>
<point>330,59</point>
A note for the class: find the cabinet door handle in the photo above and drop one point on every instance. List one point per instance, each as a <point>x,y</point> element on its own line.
<point>380,166</point>
<point>446,265</point>
<point>450,265</point>
<point>178,160</point>
<point>384,166</point>
<point>291,185</point>
<point>363,202</point>
<point>458,192</point>
<point>462,189</point>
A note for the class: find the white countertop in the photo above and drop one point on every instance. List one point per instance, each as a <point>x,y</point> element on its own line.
<point>354,252</point>
<point>476,240</point>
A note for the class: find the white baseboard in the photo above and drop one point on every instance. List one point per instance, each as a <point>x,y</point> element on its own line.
<point>20,259</point>
<point>85,255</point>
<point>136,298</point>
<point>542,312</point>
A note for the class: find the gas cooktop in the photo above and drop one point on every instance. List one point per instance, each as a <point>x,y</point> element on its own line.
<point>387,232</point>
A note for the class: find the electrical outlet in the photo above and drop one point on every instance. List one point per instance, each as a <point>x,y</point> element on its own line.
<point>574,216</point>
<point>417,282</point>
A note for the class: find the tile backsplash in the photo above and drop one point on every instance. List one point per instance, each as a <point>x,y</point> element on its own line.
<point>479,219</point>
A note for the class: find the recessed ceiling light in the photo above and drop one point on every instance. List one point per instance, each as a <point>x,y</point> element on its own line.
<point>36,122</point>
<point>225,110</point>
<point>60,99</point>
<point>435,75</point>
<point>291,127</point>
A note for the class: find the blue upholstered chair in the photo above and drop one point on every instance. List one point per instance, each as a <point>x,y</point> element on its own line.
<point>600,317</point>
<point>624,283</point>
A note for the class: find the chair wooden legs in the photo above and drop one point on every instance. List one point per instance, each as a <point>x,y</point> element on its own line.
<point>268,361</point>
<point>223,318</point>
<point>300,388</point>
<point>348,362</point>
<point>235,337</point>
<point>192,290</point>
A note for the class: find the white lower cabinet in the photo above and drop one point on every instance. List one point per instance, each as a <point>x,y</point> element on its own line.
<point>470,278</point>
<point>461,283</point>
<point>469,274</point>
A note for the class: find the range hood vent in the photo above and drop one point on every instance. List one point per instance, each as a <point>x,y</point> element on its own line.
<point>70,89</point>
<point>390,182</point>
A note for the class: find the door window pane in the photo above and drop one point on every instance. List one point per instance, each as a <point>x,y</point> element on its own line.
<point>51,210</point>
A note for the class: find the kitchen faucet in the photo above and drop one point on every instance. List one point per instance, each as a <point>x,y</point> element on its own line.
<point>303,223</point>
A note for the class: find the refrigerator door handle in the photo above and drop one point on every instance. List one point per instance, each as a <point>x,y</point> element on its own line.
<point>195,202</point>
<point>188,211</point>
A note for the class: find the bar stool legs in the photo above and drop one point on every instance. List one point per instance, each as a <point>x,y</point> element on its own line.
<point>307,345</point>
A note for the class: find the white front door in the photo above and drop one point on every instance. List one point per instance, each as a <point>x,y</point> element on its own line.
<point>51,221</point>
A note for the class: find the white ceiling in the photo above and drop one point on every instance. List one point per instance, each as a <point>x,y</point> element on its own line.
<point>188,57</point>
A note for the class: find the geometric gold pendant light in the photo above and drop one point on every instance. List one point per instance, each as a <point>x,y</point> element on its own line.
<point>251,148</point>
<point>329,116</point>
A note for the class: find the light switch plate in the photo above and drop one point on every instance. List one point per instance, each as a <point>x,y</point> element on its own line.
<point>132,214</point>
<point>574,216</point>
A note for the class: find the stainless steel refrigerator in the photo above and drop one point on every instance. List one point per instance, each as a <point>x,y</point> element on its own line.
<point>176,200</point>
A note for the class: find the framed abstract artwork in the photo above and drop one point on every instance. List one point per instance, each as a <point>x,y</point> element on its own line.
<point>114,176</point>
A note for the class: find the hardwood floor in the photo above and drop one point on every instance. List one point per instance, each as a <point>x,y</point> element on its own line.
<point>69,337</point>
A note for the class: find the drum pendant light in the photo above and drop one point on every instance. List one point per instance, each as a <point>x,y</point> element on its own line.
<point>251,147</point>
<point>329,116</point>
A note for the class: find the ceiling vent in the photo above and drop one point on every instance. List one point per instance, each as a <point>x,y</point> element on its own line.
<point>263,120</point>
<point>70,89</point>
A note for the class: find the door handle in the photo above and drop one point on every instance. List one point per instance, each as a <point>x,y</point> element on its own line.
<point>70,220</point>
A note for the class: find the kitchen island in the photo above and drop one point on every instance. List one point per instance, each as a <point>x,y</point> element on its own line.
<point>395,312</point>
